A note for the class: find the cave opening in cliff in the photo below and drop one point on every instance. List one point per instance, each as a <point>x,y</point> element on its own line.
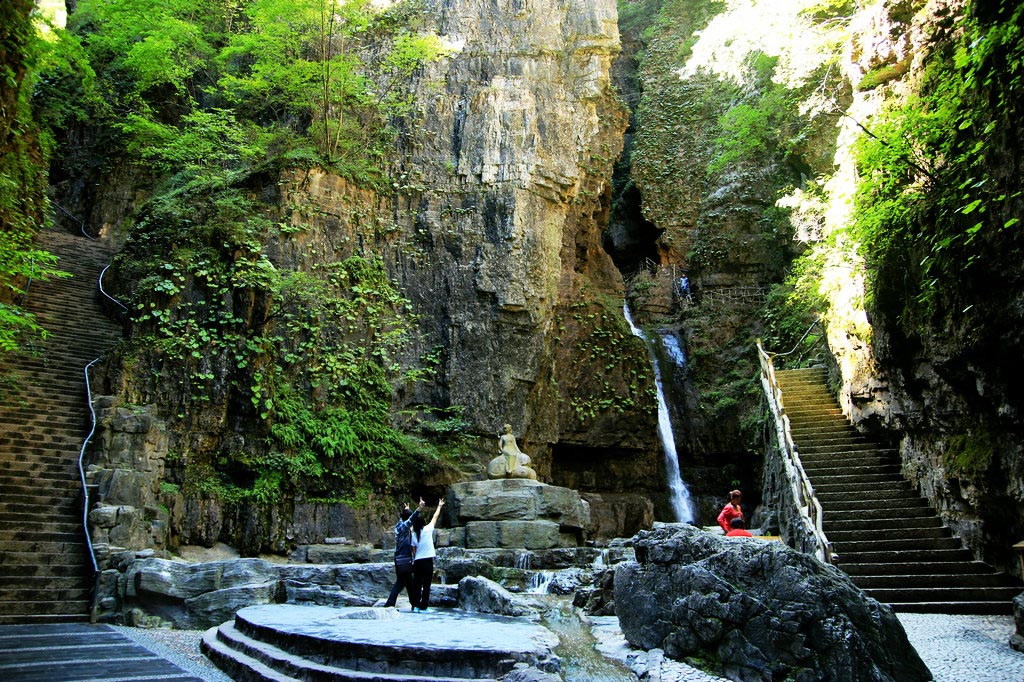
<point>630,238</point>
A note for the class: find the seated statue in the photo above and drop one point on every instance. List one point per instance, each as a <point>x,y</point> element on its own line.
<point>511,462</point>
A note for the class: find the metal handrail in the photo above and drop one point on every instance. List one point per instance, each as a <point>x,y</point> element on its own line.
<point>81,225</point>
<point>92,430</point>
<point>816,323</point>
<point>800,484</point>
<point>81,468</point>
<point>104,291</point>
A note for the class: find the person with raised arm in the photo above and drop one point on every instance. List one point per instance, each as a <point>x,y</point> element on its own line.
<point>423,565</point>
<point>404,556</point>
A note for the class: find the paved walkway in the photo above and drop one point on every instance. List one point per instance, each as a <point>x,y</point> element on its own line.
<point>955,648</point>
<point>79,651</point>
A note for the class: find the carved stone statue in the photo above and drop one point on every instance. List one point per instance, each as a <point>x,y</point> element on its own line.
<point>511,462</point>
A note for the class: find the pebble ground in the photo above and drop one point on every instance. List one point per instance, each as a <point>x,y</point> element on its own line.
<point>955,649</point>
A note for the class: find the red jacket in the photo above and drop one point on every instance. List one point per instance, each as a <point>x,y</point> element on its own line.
<point>729,513</point>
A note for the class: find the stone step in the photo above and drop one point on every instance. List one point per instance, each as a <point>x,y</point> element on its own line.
<point>50,457</point>
<point>830,449</point>
<point>9,538</point>
<point>877,513</point>
<point>38,522</point>
<point>854,479</point>
<point>914,568</point>
<point>48,439</point>
<point>935,580</point>
<point>844,462</point>
<point>244,658</point>
<point>815,470</point>
<point>47,465</point>
<point>341,644</point>
<point>825,488</point>
<point>819,374</point>
<point>19,551</point>
<point>905,556</point>
<point>841,537</point>
<point>974,608</point>
<point>857,547</point>
<point>895,524</point>
<point>28,566</point>
<point>945,594</point>
<point>822,430</point>
<point>42,498</point>
<point>809,416</point>
<point>809,405</point>
<point>37,610</point>
<point>858,504</point>
<point>44,588</point>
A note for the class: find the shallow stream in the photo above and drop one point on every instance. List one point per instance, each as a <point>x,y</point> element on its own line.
<point>577,647</point>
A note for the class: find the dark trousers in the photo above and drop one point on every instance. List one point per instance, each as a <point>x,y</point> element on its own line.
<point>422,574</point>
<point>403,579</point>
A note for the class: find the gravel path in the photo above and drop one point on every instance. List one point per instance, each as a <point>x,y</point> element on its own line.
<point>955,648</point>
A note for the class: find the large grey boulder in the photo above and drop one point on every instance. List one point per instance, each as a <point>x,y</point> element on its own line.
<point>1017,638</point>
<point>758,609</point>
<point>200,595</point>
<point>516,513</point>
<point>481,595</point>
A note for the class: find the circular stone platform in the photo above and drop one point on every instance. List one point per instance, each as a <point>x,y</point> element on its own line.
<point>448,643</point>
<point>450,629</point>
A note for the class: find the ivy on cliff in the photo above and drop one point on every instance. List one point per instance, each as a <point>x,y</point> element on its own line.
<point>213,101</point>
<point>306,360</point>
<point>22,177</point>
<point>934,204</point>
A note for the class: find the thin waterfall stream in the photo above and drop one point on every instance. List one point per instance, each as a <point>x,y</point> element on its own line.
<point>679,495</point>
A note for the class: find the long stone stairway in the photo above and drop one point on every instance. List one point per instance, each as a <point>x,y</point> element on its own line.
<point>45,572</point>
<point>886,537</point>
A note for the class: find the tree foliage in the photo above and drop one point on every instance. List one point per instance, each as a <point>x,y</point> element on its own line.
<point>212,99</point>
<point>22,177</point>
<point>934,201</point>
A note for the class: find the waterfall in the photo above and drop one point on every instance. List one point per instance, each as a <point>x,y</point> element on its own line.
<point>680,496</point>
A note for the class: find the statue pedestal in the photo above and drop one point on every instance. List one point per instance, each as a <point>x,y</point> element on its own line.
<point>516,513</point>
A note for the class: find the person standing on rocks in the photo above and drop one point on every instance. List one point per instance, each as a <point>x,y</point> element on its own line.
<point>423,566</point>
<point>404,556</point>
<point>731,511</point>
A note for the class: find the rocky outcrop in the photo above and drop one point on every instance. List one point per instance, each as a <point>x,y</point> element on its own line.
<point>480,595</point>
<point>153,592</point>
<point>516,513</point>
<point>757,610</point>
<point>492,228</point>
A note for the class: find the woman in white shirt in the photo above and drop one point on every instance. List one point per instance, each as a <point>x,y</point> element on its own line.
<point>423,566</point>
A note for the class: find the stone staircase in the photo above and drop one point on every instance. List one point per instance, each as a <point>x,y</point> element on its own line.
<point>886,537</point>
<point>45,572</point>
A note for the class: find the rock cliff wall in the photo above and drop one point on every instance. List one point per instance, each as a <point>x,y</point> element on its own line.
<point>492,229</point>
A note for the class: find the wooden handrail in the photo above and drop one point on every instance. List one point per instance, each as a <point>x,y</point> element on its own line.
<point>800,485</point>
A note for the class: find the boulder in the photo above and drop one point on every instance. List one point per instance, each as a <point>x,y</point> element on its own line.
<point>486,596</point>
<point>758,609</point>
<point>516,500</point>
<point>1017,638</point>
<point>200,595</point>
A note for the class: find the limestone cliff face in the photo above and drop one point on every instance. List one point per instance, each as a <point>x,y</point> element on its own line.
<point>734,109</point>
<point>941,388</point>
<point>493,231</point>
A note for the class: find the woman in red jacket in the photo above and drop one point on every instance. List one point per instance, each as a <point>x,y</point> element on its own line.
<point>731,511</point>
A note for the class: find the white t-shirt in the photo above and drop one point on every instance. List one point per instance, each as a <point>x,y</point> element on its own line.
<point>425,545</point>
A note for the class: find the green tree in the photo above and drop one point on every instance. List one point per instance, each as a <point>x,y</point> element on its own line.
<point>22,176</point>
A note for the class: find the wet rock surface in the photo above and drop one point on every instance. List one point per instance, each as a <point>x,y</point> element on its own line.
<point>760,610</point>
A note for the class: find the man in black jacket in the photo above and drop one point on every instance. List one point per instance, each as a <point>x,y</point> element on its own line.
<point>403,557</point>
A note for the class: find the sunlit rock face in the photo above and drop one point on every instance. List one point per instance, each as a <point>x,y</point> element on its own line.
<point>942,391</point>
<point>492,229</point>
